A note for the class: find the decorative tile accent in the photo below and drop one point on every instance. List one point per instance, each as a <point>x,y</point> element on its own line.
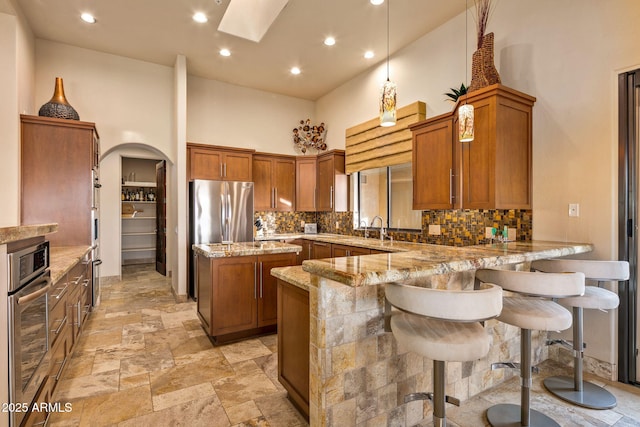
<point>458,227</point>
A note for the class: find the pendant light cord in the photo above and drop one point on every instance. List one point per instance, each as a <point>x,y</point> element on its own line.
<point>466,43</point>
<point>388,2</point>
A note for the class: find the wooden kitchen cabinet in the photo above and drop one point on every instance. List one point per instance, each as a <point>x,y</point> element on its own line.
<point>307,250</point>
<point>274,178</point>
<point>237,296</point>
<point>433,164</point>
<point>345,250</point>
<point>331,182</point>
<point>321,250</point>
<point>59,168</point>
<point>306,172</point>
<point>293,344</point>
<point>219,163</point>
<point>491,172</point>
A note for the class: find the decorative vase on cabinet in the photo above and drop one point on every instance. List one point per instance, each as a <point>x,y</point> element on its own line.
<point>58,106</point>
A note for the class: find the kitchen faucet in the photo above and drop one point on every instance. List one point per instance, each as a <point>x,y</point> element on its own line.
<point>381,225</point>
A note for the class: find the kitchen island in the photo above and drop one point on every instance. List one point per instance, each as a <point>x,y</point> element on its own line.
<point>236,294</point>
<point>357,373</point>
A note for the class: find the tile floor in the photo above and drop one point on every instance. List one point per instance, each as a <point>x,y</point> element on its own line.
<point>144,360</point>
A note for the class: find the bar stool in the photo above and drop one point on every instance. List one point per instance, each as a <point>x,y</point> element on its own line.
<point>529,311</point>
<point>575,390</point>
<point>442,325</point>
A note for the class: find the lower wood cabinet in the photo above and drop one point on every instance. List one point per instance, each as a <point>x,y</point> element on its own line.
<point>293,344</point>
<point>321,250</point>
<point>344,250</point>
<point>307,250</point>
<point>237,296</point>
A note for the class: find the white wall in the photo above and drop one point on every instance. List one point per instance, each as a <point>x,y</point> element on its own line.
<point>16,73</point>
<point>223,114</point>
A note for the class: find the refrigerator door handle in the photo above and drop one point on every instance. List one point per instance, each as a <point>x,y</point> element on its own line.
<point>255,276</point>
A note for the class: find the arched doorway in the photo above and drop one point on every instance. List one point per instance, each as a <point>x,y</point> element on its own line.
<point>114,246</point>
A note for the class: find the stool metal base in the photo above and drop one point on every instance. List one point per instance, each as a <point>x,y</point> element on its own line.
<point>507,415</point>
<point>591,396</point>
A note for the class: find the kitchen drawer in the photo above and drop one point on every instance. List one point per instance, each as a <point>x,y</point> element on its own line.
<point>58,293</point>
<point>60,352</point>
<point>58,320</point>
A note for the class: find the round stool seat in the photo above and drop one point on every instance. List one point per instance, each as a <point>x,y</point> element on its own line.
<point>593,298</point>
<point>440,339</point>
<point>535,314</point>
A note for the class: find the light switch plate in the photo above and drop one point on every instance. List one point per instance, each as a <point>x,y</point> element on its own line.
<point>434,230</point>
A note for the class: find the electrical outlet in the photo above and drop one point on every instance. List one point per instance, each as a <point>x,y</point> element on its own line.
<point>511,234</point>
<point>434,230</point>
<point>574,209</point>
<point>337,225</point>
<point>488,232</point>
<point>301,224</point>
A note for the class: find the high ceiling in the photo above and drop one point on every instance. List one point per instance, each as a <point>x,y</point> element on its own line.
<point>158,30</point>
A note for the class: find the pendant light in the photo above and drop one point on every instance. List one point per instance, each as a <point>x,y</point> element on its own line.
<point>388,94</point>
<point>465,111</point>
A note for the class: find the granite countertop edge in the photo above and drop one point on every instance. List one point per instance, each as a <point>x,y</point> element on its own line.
<point>219,250</point>
<point>21,232</point>
<point>294,275</point>
<point>384,268</point>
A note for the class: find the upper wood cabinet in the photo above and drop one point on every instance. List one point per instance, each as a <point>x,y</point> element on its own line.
<point>491,172</point>
<point>274,178</point>
<point>59,163</point>
<point>331,182</point>
<point>306,183</point>
<point>219,163</point>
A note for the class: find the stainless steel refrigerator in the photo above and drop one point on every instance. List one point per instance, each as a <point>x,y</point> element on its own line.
<point>220,212</point>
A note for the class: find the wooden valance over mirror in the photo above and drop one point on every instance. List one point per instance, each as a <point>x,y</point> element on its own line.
<point>369,145</point>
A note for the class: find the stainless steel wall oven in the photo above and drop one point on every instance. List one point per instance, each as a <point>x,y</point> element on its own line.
<point>29,286</point>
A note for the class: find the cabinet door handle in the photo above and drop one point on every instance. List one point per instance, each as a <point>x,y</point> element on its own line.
<point>62,323</point>
<point>260,279</point>
<point>309,251</point>
<point>275,197</point>
<point>255,276</point>
<point>451,186</point>
<point>59,295</point>
<point>59,373</point>
<point>225,170</point>
<point>331,199</point>
<point>221,173</point>
<point>315,196</point>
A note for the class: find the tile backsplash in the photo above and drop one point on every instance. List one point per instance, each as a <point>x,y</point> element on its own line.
<point>461,227</point>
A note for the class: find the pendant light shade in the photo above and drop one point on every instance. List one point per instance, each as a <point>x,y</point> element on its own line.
<point>388,94</point>
<point>465,123</point>
<point>388,104</point>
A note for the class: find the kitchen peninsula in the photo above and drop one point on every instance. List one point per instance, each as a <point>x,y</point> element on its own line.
<point>357,372</point>
<point>236,293</point>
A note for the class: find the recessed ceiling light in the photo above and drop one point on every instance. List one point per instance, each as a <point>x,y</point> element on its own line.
<point>329,41</point>
<point>295,70</point>
<point>225,52</point>
<point>88,18</point>
<point>200,17</point>
<point>368,54</point>
<point>376,2</point>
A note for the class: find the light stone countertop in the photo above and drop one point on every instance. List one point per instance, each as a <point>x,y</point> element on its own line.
<point>294,275</point>
<point>21,232</point>
<point>340,239</point>
<point>430,260</point>
<point>220,250</point>
<point>63,258</point>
